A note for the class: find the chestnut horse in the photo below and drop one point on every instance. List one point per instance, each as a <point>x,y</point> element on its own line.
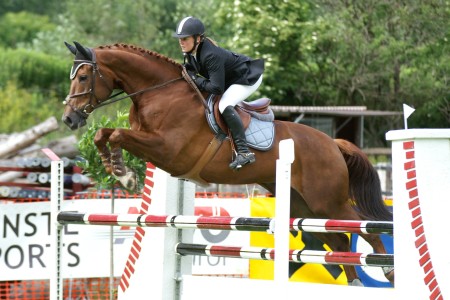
<point>331,179</point>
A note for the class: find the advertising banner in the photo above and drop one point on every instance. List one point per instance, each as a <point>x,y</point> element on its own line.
<point>25,239</point>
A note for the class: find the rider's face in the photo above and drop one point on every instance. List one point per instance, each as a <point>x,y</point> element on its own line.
<point>186,44</point>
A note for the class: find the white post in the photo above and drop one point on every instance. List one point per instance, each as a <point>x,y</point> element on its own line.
<point>56,198</point>
<point>282,211</point>
<point>421,186</point>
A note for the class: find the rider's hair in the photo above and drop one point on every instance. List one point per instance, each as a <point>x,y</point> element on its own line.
<point>212,41</point>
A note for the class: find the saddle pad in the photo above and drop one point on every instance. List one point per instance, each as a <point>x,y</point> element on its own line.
<point>259,134</point>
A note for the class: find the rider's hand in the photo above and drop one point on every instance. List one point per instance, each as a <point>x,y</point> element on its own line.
<point>192,74</point>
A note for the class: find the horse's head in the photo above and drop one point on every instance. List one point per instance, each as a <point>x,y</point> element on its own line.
<point>88,88</point>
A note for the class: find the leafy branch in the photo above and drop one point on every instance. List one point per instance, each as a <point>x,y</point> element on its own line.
<point>92,164</point>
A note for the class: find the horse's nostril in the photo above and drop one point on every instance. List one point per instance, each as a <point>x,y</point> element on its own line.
<point>73,121</point>
<point>67,120</point>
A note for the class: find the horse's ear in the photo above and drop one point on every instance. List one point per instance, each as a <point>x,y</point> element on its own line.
<point>86,52</point>
<point>71,48</point>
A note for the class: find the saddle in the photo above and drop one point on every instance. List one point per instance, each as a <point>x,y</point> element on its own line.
<point>244,109</point>
<point>257,118</point>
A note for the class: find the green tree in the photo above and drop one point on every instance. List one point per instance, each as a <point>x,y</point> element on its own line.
<point>32,87</point>
<point>47,7</point>
<point>271,30</point>
<point>133,22</point>
<point>22,27</point>
<point>35,71</point>
<point>384,53</point>
<point>374,53</point>
<point>21,109</point>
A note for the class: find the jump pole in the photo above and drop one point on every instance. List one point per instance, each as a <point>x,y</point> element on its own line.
<point>225,223</point>
<point>421,190</point>
<point>299,256</point>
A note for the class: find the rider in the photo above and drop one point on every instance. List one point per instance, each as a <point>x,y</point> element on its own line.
<point>220,71</point>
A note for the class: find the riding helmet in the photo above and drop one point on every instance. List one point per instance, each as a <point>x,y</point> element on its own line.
<point>189,26</point>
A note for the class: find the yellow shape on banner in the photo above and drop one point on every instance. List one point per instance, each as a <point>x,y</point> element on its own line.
<point>263,269</point>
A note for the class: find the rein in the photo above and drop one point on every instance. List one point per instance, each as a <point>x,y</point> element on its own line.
<point>194,86</point>
<point>112,99</point>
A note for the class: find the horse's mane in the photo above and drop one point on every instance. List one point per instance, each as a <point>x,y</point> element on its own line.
<point>140,51</point>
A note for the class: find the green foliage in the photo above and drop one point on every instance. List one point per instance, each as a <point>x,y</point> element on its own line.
<point>52,42</point>
<point>271,30</point>
<point>92,164</point>
<point>137,22</point>
<point>22,27</point>
<point>21,109</point>
<point>35,71</point>
<point>48,7</point>
<point>345,52</point>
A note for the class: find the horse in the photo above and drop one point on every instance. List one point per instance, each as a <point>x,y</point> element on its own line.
<point>330,178</point>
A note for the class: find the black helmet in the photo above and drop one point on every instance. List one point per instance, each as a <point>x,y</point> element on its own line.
<point>189,26</point>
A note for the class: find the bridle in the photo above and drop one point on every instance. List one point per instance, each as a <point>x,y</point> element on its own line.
<point>88,108</point>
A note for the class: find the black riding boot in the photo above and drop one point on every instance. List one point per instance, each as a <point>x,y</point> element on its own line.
<point>234,123</point>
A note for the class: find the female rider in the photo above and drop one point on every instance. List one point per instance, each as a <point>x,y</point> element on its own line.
<point>220,71</point>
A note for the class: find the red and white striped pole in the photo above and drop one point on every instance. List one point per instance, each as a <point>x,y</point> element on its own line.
<point>225,223</point>
<point>300,256</point>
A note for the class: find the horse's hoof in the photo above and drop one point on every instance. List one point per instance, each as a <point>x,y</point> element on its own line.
<point>128,180</point>
<point>389,274</point>
<point>109,170</point>
<point>355,282</point>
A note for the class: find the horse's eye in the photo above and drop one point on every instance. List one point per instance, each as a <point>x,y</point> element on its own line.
<point>83,78</point>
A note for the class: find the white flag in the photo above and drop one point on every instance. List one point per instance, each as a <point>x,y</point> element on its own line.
<point>407,111</point>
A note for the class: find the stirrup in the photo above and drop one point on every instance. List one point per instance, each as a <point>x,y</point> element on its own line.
<point>242,159</point>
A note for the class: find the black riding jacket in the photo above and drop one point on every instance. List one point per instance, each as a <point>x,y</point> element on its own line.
<point>219,68</point>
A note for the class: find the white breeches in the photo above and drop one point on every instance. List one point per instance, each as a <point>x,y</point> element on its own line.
<point>237,93</point>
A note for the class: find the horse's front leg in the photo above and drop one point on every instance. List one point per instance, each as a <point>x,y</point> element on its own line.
<point>101,140</point>
<point>112,158</point>
<point>138,143</point>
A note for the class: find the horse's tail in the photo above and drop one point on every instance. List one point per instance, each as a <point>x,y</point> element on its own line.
<point>364,183</point>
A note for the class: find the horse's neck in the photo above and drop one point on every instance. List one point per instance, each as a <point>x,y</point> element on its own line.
<point>175,105</point>
<point>134,73</point>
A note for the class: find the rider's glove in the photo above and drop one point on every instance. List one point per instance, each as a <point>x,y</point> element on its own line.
<point>192,75</point>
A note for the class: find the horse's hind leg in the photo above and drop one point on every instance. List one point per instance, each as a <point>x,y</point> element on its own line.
<point>336,241</point>
<point>339,242</point>
<point>378,247</point>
